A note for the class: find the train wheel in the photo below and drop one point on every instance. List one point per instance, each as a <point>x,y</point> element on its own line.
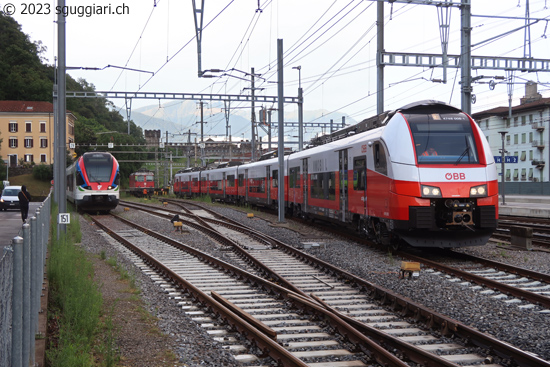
<point>394,245</point>
<point>299,213</point>
<point>382,234</point>
<point>362,228</point>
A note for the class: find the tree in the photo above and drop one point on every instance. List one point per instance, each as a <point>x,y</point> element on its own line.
<point>25,76</point>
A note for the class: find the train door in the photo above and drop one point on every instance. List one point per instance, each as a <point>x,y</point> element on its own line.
<point>268,185</point>
<point>343,169</point>
<point>223,183</point>
<point>305,184</point>
<point>246,185</point>
<point>359,185</point>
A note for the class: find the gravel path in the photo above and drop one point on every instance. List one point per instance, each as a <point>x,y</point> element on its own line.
<point>526,328</point>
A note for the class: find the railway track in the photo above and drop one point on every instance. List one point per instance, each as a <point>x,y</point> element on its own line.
<point>307,334</point>
<point>510,283</point>
<point>364,305</point>
<point>540,227</point>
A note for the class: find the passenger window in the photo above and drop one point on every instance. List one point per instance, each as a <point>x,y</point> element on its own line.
<point>275,178</point>
<point>380,164</point>
<point>359,173</point>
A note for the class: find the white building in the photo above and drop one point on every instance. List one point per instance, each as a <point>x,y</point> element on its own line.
<point>526,139</point>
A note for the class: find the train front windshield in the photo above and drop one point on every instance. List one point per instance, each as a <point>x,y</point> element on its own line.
<point>443,138</point>
<point>98,167</point>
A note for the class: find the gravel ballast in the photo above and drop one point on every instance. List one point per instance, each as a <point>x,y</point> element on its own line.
<point>524,327</point>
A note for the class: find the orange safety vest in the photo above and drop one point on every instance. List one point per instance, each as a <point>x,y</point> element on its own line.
<point>427,154</point>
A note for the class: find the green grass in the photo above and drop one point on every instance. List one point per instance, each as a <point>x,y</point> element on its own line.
<point>35,187</point>
<point>75,303</point>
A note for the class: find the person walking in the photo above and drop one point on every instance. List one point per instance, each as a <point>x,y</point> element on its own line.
<point>24,199</point>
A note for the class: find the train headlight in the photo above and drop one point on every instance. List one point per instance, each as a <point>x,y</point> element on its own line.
<point>430,191</point>
<point>478,191</point>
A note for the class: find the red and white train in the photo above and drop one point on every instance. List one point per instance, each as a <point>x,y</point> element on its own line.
<point>93,182</point>
<point>142,183</point>
<point>385,182</point>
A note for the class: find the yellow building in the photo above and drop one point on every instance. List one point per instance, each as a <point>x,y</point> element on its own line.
<point>27,132</point>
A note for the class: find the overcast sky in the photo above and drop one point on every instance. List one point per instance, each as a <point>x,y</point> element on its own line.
<point>334,43</point>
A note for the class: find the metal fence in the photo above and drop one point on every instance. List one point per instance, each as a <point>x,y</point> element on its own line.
<point>21,280</point>
<point>525,188</point>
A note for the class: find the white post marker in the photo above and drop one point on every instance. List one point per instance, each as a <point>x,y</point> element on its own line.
<point>64,218</point>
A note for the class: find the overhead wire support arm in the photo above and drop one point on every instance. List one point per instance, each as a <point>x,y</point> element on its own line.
<point>108,66</point>
<point>178,96</point>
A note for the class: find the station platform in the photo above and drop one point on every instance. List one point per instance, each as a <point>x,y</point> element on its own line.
<point>536,206</point>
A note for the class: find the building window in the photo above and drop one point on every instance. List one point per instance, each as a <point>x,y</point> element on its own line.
<point>523,138</point>
<point>515,138</point>
<point>42,158</point>
<point>530,174</point>
<point>530,155</point>
<point>28,127</point>
<point>13,127</point>
<point>42,127</point>
<point>28,143</point>
<point>29,158</point>
<point>524,174</point>
<point>507,122</point>
<point>531,119</point>
<point>516,174</point>
<point>523,155</point>
<point>43,142</point>
<point>530,137</point>
<point>508,175</point>
<point>507,139</point>
<point>523,120</point>
<point>516,121</point>
<point>13,142</point>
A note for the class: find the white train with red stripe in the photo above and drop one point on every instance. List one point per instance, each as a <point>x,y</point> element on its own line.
<point>381,183</point>
<point>93,182</point>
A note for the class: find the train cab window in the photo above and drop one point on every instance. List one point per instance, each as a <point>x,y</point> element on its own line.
<point>359,173</point>
<point>99,167</point>
<point>380,163</point>
<point>275,178</point>
<point>449,133</point>
<point>117,179</point>
<point>294,178</point>
<point>140,178</point>
<point>150,178</point>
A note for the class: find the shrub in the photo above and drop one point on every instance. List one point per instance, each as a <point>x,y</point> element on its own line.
<point>43,172</point>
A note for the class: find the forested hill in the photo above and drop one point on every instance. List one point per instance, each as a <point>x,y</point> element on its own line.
<point>24,76</point>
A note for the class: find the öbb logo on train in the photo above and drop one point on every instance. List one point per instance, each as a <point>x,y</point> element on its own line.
<point>455,176</point>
